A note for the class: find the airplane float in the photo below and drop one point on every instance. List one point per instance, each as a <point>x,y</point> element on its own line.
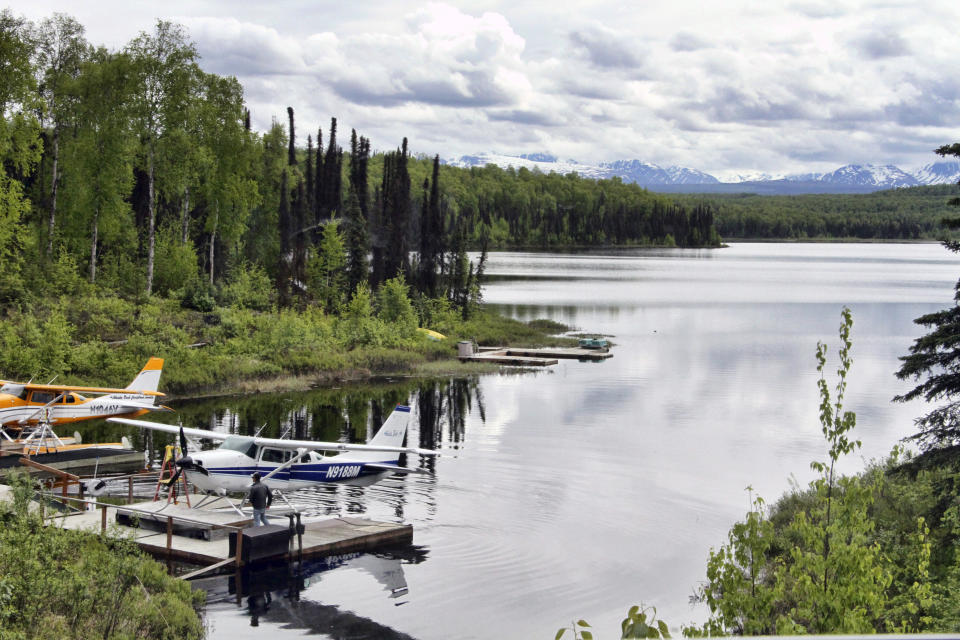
<point>25,403</point>
<point>288,464</point>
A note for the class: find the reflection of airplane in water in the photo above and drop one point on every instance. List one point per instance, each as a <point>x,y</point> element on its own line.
<point>270,594</point>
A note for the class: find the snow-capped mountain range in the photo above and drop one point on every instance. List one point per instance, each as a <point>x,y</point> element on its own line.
<point>851,178</point>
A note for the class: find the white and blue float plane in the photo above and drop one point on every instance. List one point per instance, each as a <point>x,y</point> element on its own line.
<point>285,464</point>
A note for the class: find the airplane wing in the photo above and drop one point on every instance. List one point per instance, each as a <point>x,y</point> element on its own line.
<point>90,390</point>
<point>277,443</point>
<point>170,428</point>
<point>337,446</point>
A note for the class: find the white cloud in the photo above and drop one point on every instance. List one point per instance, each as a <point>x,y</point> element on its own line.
<point>733,86</point>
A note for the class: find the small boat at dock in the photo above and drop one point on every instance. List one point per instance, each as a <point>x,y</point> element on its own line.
<point>593,343</point>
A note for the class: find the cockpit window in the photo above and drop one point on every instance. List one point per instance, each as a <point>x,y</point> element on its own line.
<point>42,397</point>
<point>241,444</point>
<point>275,455</point>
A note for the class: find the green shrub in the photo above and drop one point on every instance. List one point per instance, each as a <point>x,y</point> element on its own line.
<point>249,288</point>
<point>175,262</point>
<point>58,583</point>
<point>198,294</point>
<point>395,309</point>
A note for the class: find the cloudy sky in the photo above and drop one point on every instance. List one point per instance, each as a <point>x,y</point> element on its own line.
<point>726,86</point>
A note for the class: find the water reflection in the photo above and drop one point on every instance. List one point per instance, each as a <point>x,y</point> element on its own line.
<point>587,488</point>
<point>288,596</point>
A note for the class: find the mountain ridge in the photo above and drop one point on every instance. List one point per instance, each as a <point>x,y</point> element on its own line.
<point>850,178</point>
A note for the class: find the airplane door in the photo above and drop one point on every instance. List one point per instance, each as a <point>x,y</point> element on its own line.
<point>270,459</point>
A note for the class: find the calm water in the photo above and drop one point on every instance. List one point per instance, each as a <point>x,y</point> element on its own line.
<point>586,488</point>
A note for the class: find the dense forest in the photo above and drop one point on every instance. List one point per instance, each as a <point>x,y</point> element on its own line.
<point>912,213</point>
<point>142,171</point>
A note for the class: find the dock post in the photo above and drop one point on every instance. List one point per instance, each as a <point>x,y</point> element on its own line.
<point>103,519</point>
<point>169,534</point>
<point>239,547</point>
<point>299,543</point>
<point>130,490</point>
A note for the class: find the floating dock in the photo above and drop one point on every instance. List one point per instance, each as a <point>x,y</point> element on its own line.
<point>201,536</point>
<point>521,356</point>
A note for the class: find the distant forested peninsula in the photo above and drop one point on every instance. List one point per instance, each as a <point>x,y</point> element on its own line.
<point>912,213</point>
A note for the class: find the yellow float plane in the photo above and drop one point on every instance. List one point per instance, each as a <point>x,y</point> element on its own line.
<point>24,403</point>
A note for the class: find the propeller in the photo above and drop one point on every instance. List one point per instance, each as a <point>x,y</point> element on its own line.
<point>94,486</point>
<point>185,462</point>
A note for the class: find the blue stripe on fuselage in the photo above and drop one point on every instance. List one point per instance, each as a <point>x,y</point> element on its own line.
<point>316,472</point>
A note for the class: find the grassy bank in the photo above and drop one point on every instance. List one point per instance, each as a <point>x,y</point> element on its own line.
<point>106,340</point>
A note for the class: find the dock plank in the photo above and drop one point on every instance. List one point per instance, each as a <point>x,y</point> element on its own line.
<point>320,537</point>
<point>534,357</point>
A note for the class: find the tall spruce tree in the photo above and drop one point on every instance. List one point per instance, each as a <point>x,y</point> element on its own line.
<point>356,234</point>
<point>309,178</point>
<point>332,182</point>
<point>299,234</point>
<point>378,234</point>
<point>935,359</point>
<point>431,236</point>
<point>318,179</point>
<point>396,211</point>
<point>291,149</point>
<point>283,269</point>
<point>357,242</point>
<point>359,161</point>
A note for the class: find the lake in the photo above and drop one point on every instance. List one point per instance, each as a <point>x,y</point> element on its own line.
<point>580,490</point>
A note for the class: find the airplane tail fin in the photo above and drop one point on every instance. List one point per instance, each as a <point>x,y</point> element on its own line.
<point>147,380</point>
<point>391,434</point>
<point>149,377</point>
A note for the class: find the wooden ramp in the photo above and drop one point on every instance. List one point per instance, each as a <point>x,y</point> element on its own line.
<point>76,461</point>
<point>179,540</point>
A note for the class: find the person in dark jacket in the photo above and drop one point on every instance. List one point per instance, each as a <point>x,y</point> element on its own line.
<point>260,499</point>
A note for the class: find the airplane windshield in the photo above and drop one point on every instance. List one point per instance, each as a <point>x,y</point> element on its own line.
<point>241,444</point>
<point>17,390</point>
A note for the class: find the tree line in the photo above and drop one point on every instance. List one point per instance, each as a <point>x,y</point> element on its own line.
<point>912,213</point>
<point>140,171</point>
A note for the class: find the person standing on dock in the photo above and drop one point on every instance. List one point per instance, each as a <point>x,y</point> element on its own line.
<point>260,499</point>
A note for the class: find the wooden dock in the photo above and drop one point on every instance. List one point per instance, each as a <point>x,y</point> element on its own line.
<point>534,357</point>
<point>75,461</point>
<point>181,536</point>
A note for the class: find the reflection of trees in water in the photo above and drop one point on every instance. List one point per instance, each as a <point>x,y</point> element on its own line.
<point>349,414</point>
<point>447,402</point>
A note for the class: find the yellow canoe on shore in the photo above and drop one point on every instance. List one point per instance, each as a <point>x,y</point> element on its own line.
<point>433,335</point>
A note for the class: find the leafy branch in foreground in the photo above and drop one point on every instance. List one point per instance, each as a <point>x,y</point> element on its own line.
<point>641,622</point>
